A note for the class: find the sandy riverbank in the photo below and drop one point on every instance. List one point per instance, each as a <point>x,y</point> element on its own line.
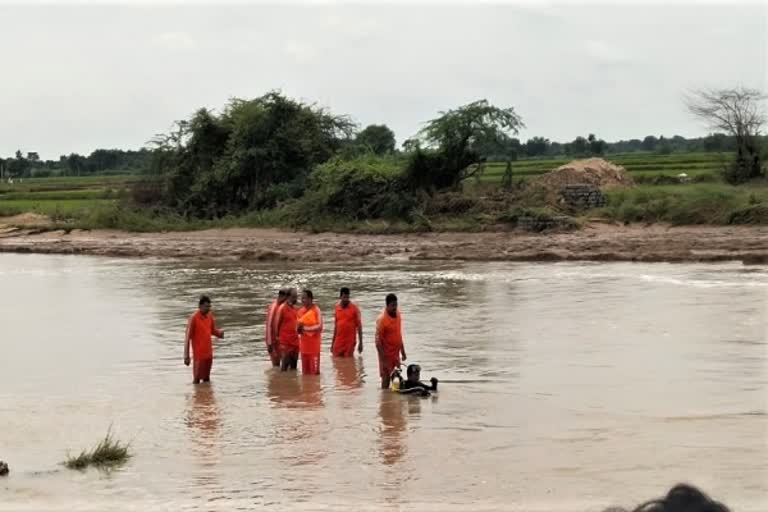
<point>598,242</point>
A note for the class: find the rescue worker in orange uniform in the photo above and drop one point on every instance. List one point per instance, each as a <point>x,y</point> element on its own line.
<point>269,339</point>
<point>310,329</point>
<point>389,340</point>
<point>200,329</point>
<point>347,324</point>
<point>286,332</point>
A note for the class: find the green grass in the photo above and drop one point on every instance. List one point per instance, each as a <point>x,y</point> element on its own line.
<point>59,195</point>
<point>637,164</point>
<point>56,209</point>
<point>107,454</point>
<point>69,183</point>
<point>710,203</point>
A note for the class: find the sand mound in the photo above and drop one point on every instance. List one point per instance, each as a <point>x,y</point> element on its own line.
<point>593,171</point>
<point>25,219</point>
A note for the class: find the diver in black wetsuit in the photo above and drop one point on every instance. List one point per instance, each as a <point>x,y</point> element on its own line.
<point>413,385</point>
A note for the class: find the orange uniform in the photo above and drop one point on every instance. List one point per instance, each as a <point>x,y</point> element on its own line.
<point>200,329</point>
<point>310,338</point>
<point>389,337</point>
<point>348,323</point>
<point>287,335</point>
<point>274,353</point>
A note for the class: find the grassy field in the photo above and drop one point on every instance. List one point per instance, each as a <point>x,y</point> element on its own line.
<point>62,198</point>
<point>94,201</point>
<point>638,164</point>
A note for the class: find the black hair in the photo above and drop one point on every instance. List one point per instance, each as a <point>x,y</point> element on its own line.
<point>282,292</point>
<point>683,498</point>
<point>344,291</point>
<point>204,299</point>
<point>309,293</point>
<point>391,298</point>
<point>412,368</point>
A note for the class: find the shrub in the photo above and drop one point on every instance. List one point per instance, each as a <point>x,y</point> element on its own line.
<point>753,214</point>
<point>368,187</point>
<point>108,453</point>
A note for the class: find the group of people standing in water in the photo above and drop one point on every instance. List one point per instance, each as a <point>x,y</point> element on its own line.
<point>294,334</point>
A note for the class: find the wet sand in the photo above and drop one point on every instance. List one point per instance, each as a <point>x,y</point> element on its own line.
<point>596,242</point>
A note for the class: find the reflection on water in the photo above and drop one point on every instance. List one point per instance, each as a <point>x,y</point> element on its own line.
<point>203,421</point>
<point>393,423</point>
<point>560,384</point>
<point>349,371</point>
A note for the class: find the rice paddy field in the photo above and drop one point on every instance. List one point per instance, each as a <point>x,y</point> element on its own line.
<point>61,197</point>
<point>639,165</point>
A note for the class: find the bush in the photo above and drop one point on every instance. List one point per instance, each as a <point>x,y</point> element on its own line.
<point>449,203</point>
<point>368,187</point>
<point>108,453</point>
<point>148,191</point>
<point>691,204</point>
<point>753,214</point>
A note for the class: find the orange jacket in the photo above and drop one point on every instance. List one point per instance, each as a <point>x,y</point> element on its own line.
<point>200,329</point>
<point>311,336</point>
<point>287,322</point>
<point>348,322</point>
<point>389,335</point>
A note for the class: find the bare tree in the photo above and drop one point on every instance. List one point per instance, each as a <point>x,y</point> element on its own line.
<point>739,112</point>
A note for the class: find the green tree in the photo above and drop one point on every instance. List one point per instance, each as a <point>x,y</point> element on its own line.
<point>537,146</point>
<point>378,138</point>
<point>649,143</point>
<point>253,155</point>
<point>453,141</point>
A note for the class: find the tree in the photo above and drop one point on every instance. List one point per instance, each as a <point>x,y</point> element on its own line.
<point>649,143</point>
<point>579,147</point>
<point>454,138</point>
<point>254,154</point>
<point>537,146</point>
<point>596,146</point>
<point>740,113</point>
<point>378,137</point>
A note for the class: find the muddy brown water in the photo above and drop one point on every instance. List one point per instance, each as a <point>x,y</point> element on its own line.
<point>564,387</point>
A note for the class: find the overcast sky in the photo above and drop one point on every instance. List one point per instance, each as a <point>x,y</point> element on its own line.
<point>75,78</point>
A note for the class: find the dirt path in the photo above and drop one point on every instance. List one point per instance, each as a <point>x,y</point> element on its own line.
<point>596,242</point>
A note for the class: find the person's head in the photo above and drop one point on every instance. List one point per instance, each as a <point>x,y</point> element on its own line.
<point>204,304</point>
<point>307,298</point>
<point>681,498</point>
<point>413,372</point>
<point>292,297</point>
<point>391,302</point>
<point>344,296</point>
<point>282,294</point>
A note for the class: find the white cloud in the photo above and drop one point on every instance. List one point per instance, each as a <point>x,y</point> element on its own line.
<point>174,41</point>
<point>299,51</point>
<point>605,53</point>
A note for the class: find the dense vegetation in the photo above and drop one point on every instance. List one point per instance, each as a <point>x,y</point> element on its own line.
<point>274,160</point>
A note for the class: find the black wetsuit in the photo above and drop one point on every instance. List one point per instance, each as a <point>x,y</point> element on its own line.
<point>416,386</point>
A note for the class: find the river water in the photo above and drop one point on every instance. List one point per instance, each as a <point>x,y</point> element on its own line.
<point>563,387</point>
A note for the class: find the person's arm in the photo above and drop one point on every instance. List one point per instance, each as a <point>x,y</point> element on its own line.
<point>276,323</point>
<point>377,338</point>
<point>402,351</point>
<point>268,327</point>
<point>187,336</point>
<point>359,332</point>
<point>335,323</point>
<point>216,332</point>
